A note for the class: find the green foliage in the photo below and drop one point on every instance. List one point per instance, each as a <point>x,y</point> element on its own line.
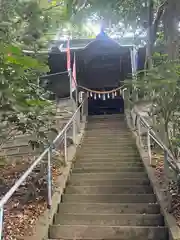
<point>22,108</point>
<point>129,12</point>
<point>161,87</point>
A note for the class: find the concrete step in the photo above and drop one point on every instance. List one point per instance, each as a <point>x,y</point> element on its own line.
<point>109,156</point>
<point>102,128</point>
<point>106,116</point>
<point>109,208</point>
<point>105,122</point>
<point>104,135</point>
<point>109,219</point>
<point>114,150</point>
<point>21,151</point>
<point>109,198</point>
<point>110,127</point>
<point>108,149</point>
<point>107,141</point>
<point>108,175</point>
<point>115,136</point>
<point>108,189</point>
<point>97,164</point>
<point>113,156</point>
<point>106,125</point>
<point>16,144</point>
<point>87,232</point>
<point>103,131</point>
<point>107,169</point>
<point>118,135</point>
<point>108,159</point>
<point>100,142</point>
<point>111,181</point>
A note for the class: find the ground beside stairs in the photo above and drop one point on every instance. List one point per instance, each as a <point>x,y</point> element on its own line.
<point>109,195</point>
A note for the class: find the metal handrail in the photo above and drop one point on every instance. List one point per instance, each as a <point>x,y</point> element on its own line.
<point>48,150</point>
<point>152,133</point>
<point>53,74</point>
<point>156,138</point>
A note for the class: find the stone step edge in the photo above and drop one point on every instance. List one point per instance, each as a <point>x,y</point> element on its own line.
<point>111,204</point>
<point>107,173</point>
<point>111,226</point>
<point>117,214</point>
<point>145,179</point>
<point>107,186</point>
<point>100,228</point>
<point>115,194</point>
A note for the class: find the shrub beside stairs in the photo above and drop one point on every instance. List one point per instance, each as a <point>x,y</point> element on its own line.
<point>108,195</point>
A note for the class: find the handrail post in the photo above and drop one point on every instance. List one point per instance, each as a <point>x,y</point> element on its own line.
<point>139,129</point>
<point>166,162</point>
<point>86,108</point>
<point>1,222</point>
<point>149,146</point>
<point>49,176</point>
<point>74,131</point>
<point>65,147</point>
<point>80,114</point>
<point>169,195</point>
<point>127,96</point>
<point>78,121</point>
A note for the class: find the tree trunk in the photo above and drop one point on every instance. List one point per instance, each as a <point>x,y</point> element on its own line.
<point>170,21</point>
<point>149,47</point>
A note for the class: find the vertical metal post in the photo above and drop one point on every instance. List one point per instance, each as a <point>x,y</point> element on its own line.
<point>49,179</point>
<point>65,147</point>
<point>1,222</point>
<point>77,102</point>
<point>137,95</point>
<point>80,113</point>
<point>74,130</point>
<point>139,129</point>
<point>86,106</point>
<point>78,121</point>
<point>127,99</point>
<point>83,110</point>
<point>123,93</point>
<point>166,167</point>
<point>70,82</point>
<point>166,171</point>
<point>149,147</point>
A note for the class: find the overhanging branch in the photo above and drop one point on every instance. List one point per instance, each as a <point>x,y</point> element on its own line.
<point>155,24</point>
<point>51,7</point>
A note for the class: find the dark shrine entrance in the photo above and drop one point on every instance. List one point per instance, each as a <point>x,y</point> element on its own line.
<point>108,106</point>
<point>106,66</point>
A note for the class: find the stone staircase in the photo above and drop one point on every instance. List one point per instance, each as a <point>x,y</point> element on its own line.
<point>109,195</point>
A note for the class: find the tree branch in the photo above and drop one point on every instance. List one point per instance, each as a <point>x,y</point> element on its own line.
<point>155,24</point>
<point>51,7</point>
